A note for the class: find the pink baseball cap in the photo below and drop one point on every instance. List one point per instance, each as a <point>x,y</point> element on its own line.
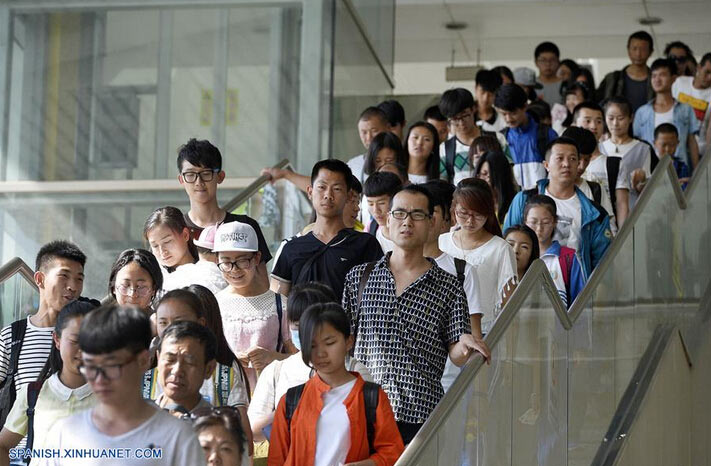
<point>207,237</point>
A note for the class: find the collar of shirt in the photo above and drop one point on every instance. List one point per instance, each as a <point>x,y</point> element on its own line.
<point>64,393</point>
<point>384,263</point>
<point>322,387</point>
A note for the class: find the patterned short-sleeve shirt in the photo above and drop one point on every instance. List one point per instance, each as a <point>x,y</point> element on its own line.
<point>404,340</point>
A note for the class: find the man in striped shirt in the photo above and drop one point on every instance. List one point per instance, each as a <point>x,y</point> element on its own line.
<point>60,277</point>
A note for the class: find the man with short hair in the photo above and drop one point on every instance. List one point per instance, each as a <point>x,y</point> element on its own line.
<point>114,342</point>
<point>666,139</point>
<point>434,117</point>
<point>582,225</point>
<point>396,116</point>
<point>526,138</point>
<point>59,275</point>
<point>633,81</point>
<point>547,58</point>
<point>379,190</point>
<point>665,109</point>
<point>487,83</point>
<point>186,358</point>
<point>696,92</point>
<point>329,250</point>
<point>408,314</point>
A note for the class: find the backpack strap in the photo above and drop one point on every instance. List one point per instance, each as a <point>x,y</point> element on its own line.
<point>373,227</point>
<point>223,385</point>
<point>33,389</point>
<point>371,393</point>
<point>460,265</point>
<point>450,151</point>
<point>293,395</point>
<point>596,191</point>
<point>280,314</point>
<point>147,383</point>
<point>565,260</point>
<point>8,390</point>
<point>613,171</point>
<point>359,297</point>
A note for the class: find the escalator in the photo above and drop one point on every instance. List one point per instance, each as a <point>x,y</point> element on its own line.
<point>560,381</point>
<point>564,387</point>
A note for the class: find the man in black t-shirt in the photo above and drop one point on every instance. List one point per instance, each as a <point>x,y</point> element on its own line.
<point>200,171</point>
<point>330,250</point>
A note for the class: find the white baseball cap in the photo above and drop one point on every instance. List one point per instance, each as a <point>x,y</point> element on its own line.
<point>235,236</point>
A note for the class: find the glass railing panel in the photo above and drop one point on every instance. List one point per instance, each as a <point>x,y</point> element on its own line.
<point>18,299</point>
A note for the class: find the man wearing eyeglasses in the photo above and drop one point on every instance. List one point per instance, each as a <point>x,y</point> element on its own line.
<point>200,171</point>
<point>122,426</point>
<point>408,315</point>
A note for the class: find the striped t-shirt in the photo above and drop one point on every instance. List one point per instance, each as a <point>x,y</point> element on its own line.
<point>33,354</point>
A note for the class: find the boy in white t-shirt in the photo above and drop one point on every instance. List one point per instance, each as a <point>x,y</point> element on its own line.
<point>114,342</point>
<point>696,92</point>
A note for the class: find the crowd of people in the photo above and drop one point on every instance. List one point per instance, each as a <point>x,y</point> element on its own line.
<point>340,353</point>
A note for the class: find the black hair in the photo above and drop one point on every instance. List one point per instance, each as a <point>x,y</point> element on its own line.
<point>455,101</point>
<point>544,47</point>
<point>112,327</point>
<point>432,166</point>
<point>510,97</point>
<point>335,166</point>
<point>386,140</point>
<point>400,169</point>
<point>571,65</point>
<point>226,417</point>
<point>642,35</point>
<point>200,153</point>
<point>381,184</point>
<point>434,113</point>
<point>488,80</point>
<point>539,109</point>
<point>621,102</point>
<point>584,137</point>
<point>417,189</point>
<point>573,88</point>
<point>202,250</point>
<point>664,63</point>
<point>303,295</point>
<point>525,229</point>
<point>213,321</point>
<point>77,308</point>
<point>144,259</point>
<point>187,298</point>
<point>706,58</point>
<point>582,71</point>
<point>590,105</point>
<point>502,179</point>
<point>484,143</point>
<point>540,200</point>
<point>373,112</point>
<point>393,111</point>
<point>677,44</point>
<point>356,184</point>
<point>59,249</point>
<point>504,71</point>
<point>172,218</point>
<point>313,319</point>
<point>562,141</point>
<point>187,329</point>
<point>666,128</point>
<point>442,193</point>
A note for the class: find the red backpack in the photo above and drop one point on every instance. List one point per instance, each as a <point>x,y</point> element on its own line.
<point>566,258</point>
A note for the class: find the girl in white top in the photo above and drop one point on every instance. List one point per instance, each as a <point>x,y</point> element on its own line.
<point>422,153</point>
<point>63,391</point>
<point>524,242</point>
<point>478,240</point>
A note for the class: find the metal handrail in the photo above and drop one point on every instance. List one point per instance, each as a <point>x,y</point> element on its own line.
<point>254,187</point>
<point>538,275</point>
<point>17,265</point>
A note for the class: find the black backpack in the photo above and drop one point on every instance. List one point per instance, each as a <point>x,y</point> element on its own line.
<point>450,147</point>
<point>8,391</point>
<point>371,393</point>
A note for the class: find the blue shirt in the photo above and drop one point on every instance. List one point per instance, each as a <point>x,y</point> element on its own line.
<point>523,147</point>
<point>684,119</point>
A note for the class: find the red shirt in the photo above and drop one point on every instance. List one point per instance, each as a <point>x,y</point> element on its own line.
<point>298,447</point>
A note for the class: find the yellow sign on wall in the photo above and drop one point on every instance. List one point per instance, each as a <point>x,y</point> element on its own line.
<point>206,107</point>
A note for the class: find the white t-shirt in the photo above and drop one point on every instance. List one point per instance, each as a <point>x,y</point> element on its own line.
<point>666,117</point>
<point>175,439</point>
<point>597,172</point>
<point>280,376</point>
<point>333,429</point>
<point>471,281</point>
<point>567,232</point>
<point>605,200</point>
<point>202,272</point>
<point>684,91</point>
<point>494,263</point>
<point>385,243</point>
<point>356,164</point>
<point>417,179</point>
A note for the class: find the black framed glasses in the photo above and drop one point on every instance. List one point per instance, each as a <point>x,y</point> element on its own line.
<point>241,264</point>
<point>416,215</point>
<point>109,371</point>
<point>205,175</point>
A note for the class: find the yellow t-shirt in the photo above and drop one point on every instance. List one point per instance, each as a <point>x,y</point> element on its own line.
<point>54,402</point>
